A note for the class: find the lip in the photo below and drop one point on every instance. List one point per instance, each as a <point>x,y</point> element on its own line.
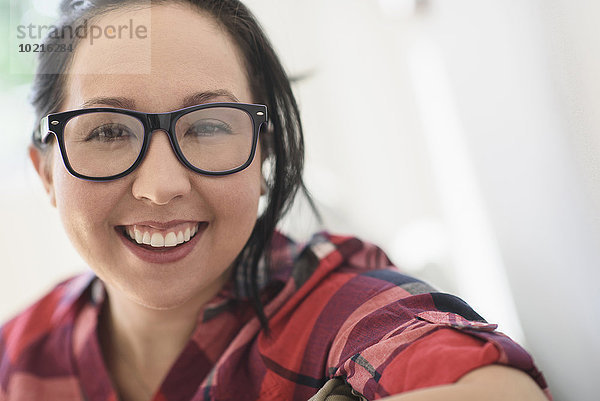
<point>160,225</point>
<point>163,255</point>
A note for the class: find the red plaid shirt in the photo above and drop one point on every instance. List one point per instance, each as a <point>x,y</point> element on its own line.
<point>336,307</point>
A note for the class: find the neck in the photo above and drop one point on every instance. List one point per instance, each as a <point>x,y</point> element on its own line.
<point>140,344</point>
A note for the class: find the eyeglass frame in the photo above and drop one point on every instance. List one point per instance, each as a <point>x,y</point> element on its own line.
<point>151,122</point>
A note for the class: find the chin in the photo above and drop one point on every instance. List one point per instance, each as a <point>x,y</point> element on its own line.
<point>164,298</point>
<point>162,293</point>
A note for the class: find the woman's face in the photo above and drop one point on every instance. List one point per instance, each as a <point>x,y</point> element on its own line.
<point>191,56</point>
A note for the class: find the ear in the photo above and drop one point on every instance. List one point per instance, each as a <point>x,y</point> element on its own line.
<point>266,147</point>
<point>263,181</point>
<point>43,167</point>
<point>263,185</point>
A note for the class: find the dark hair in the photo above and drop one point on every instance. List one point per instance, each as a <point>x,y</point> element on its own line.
<point>282,142</point>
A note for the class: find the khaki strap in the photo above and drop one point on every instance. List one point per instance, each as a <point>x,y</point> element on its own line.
<point>337,389</point>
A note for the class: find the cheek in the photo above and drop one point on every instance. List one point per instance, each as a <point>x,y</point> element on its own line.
<point>84,207</point>
<point>238,196</point>
<point>235,201</point>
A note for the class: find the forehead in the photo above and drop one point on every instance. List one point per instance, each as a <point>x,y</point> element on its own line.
<point>181,52</point>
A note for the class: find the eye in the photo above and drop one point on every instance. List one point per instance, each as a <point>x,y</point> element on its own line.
<point>208,128</point>
<point>109,132</point>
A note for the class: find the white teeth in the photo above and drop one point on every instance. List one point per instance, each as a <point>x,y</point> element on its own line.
<point>171,239</point>
<point>138,236</point>
<point>157,240</point>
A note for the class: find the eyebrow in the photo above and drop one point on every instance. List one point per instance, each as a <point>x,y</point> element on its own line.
<point>207,97</point>
<point>191,100</point>
<point>118,102</point>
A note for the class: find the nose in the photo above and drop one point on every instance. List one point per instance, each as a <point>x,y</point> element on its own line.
<point>161,177</point>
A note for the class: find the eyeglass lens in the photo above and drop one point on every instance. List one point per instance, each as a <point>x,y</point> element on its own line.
<point>104,144</point>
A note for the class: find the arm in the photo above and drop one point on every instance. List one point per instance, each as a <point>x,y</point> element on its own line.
<point>492,383</point>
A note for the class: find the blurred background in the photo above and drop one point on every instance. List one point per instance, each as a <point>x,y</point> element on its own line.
<point>461,136</point>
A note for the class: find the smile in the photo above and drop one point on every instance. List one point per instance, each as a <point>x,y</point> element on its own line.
<point>161,243</point>
<point>144,235</point>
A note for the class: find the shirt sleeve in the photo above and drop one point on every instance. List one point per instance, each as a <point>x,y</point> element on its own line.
<point>392,345</point>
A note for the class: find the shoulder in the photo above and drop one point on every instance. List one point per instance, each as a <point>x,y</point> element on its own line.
<point>343,287</point>
<point>351,310</point>
<point>39,333</point>
<point>344,272</point>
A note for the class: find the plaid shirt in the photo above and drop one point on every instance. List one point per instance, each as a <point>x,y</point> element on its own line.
<point>336,307</point>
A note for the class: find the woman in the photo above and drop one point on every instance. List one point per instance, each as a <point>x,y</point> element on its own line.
<point>152,152</point>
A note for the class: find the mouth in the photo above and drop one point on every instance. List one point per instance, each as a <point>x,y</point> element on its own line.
<point>156,243</point>
<point>157,239</point>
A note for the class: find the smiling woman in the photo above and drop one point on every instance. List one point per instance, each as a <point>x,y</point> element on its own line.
<point>152,152</point>
<point>161,194</point>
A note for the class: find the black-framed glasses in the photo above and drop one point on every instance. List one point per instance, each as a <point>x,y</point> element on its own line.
<point>101,144</point>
